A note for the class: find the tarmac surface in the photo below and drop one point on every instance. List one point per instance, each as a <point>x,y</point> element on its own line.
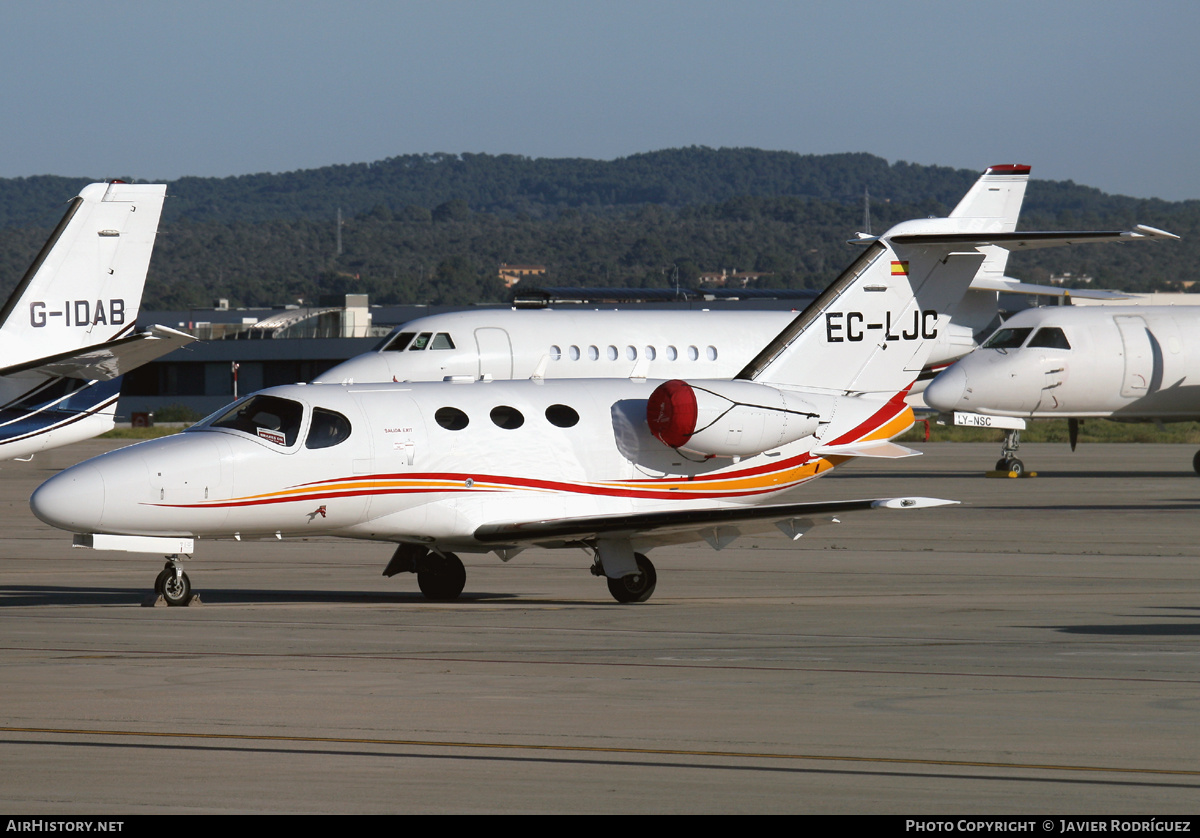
<point>1035,650</point>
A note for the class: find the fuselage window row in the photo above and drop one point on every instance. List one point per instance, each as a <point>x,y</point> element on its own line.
<point>631,353</point>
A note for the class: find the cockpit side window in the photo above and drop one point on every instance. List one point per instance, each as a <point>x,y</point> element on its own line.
<point>442,341</point>
<point>1007,339</point>
<point>267,417</point>
<point>328,428</point>
<point>399,342</point>
<point>1050,338</point>
<point>421,342</point>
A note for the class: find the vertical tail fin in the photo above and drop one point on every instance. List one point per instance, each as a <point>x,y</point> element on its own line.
<point>995,200</point>
<point>85,286</point>
<point>873,328</point>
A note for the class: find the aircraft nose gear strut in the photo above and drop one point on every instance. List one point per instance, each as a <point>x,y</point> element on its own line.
<point>1008,459</point>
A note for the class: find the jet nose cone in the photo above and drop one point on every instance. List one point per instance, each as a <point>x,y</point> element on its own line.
<point>72,500</point>
<point>945,393</point>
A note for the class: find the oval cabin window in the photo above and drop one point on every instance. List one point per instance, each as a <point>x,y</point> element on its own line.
<point>562,415</point>
<point>451,418</point>
<point>507,417</point>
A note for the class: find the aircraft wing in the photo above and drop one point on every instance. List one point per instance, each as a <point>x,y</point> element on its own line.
<point>106,361</point>
<point>1031,240</point>
<point>716,526</point>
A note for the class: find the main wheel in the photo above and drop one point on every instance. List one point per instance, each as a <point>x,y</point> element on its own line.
<point>1015,465</point>
<point>443,579</point>
<point>636,587</point>
<point>176,590</point>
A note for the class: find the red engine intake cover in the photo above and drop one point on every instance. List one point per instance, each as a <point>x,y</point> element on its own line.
<point>671,412</point>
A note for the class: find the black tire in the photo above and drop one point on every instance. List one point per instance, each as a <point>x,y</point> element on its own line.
<point>162,577</point>
<point>1196,463</point>
<point>1002,464</point>
<point>443,579</point>
<point>1016,465</point>
<point>635,588</point>
<point>176,590</point>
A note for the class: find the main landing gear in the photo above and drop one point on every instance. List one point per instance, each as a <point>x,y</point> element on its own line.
<point>440,576</point>
<point>173,584</point>
<point>636,587</point>
<point>616,561</point>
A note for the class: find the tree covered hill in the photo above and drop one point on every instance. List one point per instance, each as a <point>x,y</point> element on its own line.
<point>434,227</point>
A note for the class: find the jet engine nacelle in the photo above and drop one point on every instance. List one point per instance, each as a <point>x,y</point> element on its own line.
<point>727,418</point>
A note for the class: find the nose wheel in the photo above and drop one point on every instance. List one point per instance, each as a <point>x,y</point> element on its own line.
<point>173,585</point>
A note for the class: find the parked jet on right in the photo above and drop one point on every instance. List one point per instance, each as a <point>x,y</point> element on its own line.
<point>1127,363</point>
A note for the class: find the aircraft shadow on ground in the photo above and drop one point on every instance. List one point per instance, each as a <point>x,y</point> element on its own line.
<point>1164,629</point>
<point>850,474</point>
<point>42,595</point>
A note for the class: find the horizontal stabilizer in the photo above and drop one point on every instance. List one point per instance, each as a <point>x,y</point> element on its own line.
<point>1009,285</point>
<point>106,361</point>
<point>1031,240</point>
<point>643,524</point>
<point>877,448</point>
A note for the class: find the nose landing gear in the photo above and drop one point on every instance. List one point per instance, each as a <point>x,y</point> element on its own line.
<point>173,584</point>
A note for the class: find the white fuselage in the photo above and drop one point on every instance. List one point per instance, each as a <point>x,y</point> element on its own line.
<point>405,467</point>
<point>559,343</point>
<point>1122,362</point>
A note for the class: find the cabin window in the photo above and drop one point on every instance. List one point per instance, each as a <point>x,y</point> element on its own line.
<point>269,418</point>
<point>451,418</point>
<point>672,353</point>
<point>1007,339</point>
<point>631,353</point>
<point>507,417</point>
<point>574,353</point>
<point>612,353</point>
<point>711,352</point>
<point>562,415</point>
<point>594,353</point>
<point>693,353</point>
<point>328,428</point>
<point>399,342</point>
<point>555,353</point>
<point>421,342</point>
<point>651,353</point>
<point>442,341</point>
<point>1050,338</point>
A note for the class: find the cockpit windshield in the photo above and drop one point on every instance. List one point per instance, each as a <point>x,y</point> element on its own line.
<point>269,418</point>
<point>1050,338</point>
<point>1007,339</point>
<point>399,343</point>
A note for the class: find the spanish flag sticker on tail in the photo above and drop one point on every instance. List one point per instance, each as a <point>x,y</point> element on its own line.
<point>900,268</point>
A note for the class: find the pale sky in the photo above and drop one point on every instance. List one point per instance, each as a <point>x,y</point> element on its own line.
<point>1103,93</point>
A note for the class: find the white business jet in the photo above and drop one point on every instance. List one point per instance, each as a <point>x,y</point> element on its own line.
<point>1128,363</point>
<point>67,331</point>
<point>616,466</point>
<point>580,343</point>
